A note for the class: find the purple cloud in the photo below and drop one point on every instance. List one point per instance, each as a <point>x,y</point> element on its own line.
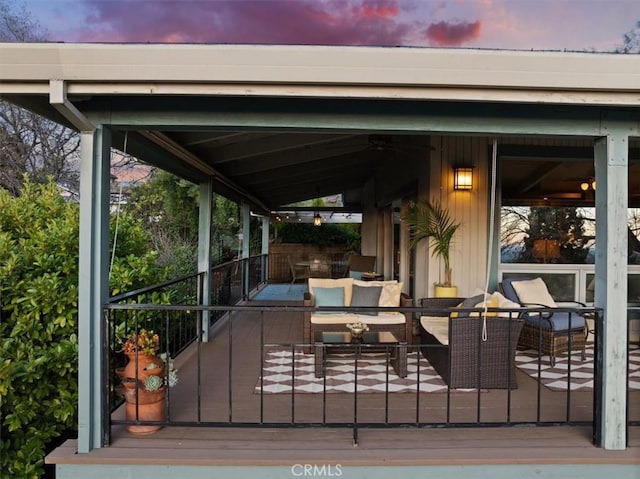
<point>453,34</point>
<point>362,22</point>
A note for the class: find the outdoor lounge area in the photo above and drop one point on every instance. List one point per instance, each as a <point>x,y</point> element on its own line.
<point>226,382</point>
<point>255,369</point>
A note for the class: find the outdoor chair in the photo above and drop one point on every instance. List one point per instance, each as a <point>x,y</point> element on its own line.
<point>319,267</point>
<point>298,272</point>
<point>359,264</point>
<point>548,332</point>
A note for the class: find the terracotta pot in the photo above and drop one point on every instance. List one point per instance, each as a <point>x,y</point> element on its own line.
<point>151,407</point>
<point>141,362</point>
<point>141,395</point>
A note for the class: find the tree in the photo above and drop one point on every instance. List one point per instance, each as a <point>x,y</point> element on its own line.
<point>563,227</point>
<point>631,41</point>
<point>30,143</point>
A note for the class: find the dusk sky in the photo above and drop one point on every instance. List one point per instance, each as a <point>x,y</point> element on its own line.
<point>594,25</point>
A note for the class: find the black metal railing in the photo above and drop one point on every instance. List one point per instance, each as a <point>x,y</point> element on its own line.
<point>177,332</point>
<point>222,382</point>
<point>233,281</point>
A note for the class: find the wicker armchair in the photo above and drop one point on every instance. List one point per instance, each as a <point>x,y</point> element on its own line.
<point>550,333</point>
<point>467,361</point>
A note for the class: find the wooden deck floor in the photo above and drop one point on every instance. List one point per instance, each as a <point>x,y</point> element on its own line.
<point>237,343</point>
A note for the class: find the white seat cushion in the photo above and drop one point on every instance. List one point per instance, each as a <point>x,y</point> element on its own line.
<point>392,317</point>
<point>437,326</point>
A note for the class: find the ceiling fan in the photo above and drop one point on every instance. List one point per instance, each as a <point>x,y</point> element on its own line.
<point>380,142</point>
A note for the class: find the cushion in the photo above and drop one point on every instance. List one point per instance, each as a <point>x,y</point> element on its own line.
<point>366,296</point>
<point>469,303</point>
<point>503,302</point>
<point>345,283</point>
<point>533,291</point>
<point>328,297</point>
<point>490,302</point>
<point>437,326</point>
<point>390,294</point>
<point>355,274</point>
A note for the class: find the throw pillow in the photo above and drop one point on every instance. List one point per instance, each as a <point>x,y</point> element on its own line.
<point>366,296</point>
<point>390,295</point>
<point>507,304</point>
<point>468,303</point>
<point>328,297</point>
<point>491,302</point>
<point>532,292</point>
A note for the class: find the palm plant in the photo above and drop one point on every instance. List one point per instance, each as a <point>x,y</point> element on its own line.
<point>429,220</point>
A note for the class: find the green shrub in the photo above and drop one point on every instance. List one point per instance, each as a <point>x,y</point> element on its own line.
<point>39,315</point>
<point>38,343</point>
<point>327,234</point>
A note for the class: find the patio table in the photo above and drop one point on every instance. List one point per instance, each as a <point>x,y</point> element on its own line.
<point>342,343</point>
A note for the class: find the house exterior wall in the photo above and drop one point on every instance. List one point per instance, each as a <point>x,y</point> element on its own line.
<point>471,208</point>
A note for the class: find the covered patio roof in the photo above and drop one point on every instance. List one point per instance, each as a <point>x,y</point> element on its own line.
<point>274,125</point>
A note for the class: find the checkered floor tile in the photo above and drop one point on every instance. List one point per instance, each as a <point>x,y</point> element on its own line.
<point>576,374</point>
<point>372,374</point>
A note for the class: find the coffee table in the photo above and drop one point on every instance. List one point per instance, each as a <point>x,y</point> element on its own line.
<point>326,343</point>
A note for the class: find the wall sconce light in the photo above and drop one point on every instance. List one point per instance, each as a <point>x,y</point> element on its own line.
<point>317,219</point>
<point>462,178</point>
<point>590,183</point>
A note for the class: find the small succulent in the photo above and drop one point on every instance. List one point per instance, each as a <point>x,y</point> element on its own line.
<point>173,378</point>
<point>153,383</point>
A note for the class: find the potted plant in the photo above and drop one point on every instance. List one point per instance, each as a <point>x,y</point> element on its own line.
<point>144,380</point>
<point>429,220</point>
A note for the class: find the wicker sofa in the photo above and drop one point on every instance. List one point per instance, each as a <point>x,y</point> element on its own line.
<point>454,346</point>
<point>399,323</point>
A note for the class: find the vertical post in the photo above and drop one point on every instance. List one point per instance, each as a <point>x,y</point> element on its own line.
<point>611,166</point>
<point>204,251</point>
<point>264,277</point>
<point>246,240</point>
<point>421,259</point>
<point>369,227</point>
<point>405,267</point>
<point>387,245</point>
<point>93,289</point>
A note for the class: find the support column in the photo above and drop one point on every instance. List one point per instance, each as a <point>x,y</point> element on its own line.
<point>246,239</point>
<point>611,165</point>
<point>93,287</point>
<point>369,226</point>
<point>421,258</point>
<point>405,267</point>
<point>387,245</point>
<point>204,251</point>
<point>265,249</point>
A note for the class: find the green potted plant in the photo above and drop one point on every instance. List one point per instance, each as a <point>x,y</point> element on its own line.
<point>429,220</point>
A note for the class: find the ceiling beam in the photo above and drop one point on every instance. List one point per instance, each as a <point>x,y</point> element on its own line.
<point>274,144</point>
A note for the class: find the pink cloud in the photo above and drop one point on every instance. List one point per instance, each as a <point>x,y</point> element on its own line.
<point>377,9</point>
<point>453,34</point>
<point>360,22</point>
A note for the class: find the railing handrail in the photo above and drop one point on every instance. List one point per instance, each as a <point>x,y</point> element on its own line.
<point>150,289</point>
